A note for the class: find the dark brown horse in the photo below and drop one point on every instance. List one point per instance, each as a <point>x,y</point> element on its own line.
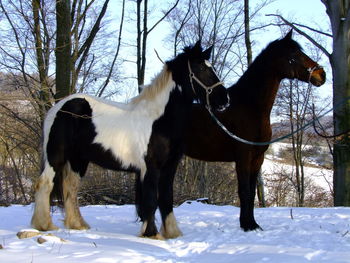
<point>248,117</point>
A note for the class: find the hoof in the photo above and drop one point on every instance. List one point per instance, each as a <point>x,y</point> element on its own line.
<point>158,236</point>
<point>82,225</point>
<point>252,227</point>
<point>169,228</point>
<point>171,234</point>
<point>45,227</point>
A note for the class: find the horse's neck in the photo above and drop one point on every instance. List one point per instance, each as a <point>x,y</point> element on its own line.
<point>258,90</point>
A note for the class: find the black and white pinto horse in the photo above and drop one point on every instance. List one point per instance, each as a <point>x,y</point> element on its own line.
<point>145,136</point>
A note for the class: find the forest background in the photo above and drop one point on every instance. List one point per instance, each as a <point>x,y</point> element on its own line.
<point>51,49</point>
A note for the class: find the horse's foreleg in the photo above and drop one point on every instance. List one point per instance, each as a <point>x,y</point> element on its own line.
<point>147,205</point>
<point>41,218</point>
<point>246,192</point>
<point>73,218</point>
<point>169,227</point>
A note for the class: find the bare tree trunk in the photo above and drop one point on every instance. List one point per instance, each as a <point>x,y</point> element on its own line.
<point>63,49</point>
<point>141,39</point>
<point>44,97</point>
<point>339,14</point>
<point>103,87</point>
<point>248,44</point>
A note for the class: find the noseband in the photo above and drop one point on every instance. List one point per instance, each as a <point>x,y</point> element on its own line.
<point>208,90</point>
<point>309,70</point>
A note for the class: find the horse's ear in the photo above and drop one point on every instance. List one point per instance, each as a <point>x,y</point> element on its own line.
<point>207,53</point>
<point>289,35</point>
<point>198,46</point>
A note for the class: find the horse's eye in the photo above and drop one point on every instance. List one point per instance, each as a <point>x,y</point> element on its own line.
<point>202,67</point>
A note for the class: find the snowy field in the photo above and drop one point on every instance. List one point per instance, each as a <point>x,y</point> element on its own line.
<point>211,234</point>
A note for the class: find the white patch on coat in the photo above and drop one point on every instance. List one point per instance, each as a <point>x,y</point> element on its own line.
<point>170,228</point>
<point>143,228</point>
<point>125,129</point>
<point>41,218</point>
<point>208,64</point>
<point>71,182</point>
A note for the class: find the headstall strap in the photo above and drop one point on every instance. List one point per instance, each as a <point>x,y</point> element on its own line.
<point>208,90</point>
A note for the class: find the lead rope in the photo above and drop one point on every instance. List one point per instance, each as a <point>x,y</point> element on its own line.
<point>237,138</point>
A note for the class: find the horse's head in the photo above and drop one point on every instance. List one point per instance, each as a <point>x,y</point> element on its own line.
<point>193,72</point>
<point>296,64</point>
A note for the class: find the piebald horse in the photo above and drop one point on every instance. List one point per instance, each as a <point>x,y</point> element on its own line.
<point>145,136</point>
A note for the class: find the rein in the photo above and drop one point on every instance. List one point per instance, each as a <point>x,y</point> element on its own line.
<point>207,89</point>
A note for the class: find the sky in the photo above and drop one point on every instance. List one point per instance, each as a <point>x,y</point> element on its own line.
<point>310,12</point>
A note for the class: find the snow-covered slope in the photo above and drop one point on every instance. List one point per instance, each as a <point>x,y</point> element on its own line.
<point>211,234</point>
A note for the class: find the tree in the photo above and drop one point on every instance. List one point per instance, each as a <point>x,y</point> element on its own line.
<point>28,77</point>
<point>248,44</point>
<point>63,49</point>
<point>339,16</point>
<point>294,103</point>
<point>42,58</point>
<point>143,31</point>
<point>73,44</point>
<point>219,23</point>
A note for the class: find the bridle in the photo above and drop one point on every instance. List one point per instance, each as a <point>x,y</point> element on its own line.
<point>207,89</point>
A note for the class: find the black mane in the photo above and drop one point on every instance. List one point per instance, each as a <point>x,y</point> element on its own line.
<point>192,52</point>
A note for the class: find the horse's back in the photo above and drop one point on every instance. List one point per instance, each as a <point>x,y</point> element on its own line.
<point>84,128</point>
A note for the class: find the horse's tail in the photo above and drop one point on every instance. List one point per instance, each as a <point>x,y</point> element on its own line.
<point>56,196</point>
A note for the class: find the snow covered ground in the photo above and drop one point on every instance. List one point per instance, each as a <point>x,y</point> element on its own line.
<point>211,234</point>
<point>318,175</point>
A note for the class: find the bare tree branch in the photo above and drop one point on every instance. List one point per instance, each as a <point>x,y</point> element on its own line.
<point>84,50</point>
<point>165,15</point>
<point>308,37</point>
<point>102,89</point>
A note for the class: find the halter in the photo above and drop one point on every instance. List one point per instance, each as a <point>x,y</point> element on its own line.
<point>208,90</point>
<point>309,70</point>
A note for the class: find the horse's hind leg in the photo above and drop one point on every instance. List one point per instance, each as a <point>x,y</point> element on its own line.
<point>169,227</point>
<point>71,182</point>
<point>41,218</point>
